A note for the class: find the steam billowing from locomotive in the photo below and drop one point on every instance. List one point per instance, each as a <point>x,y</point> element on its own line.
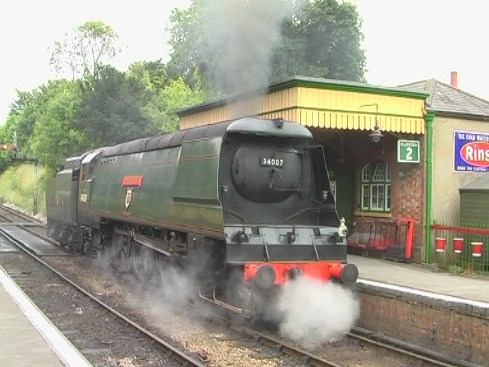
<point>238,39</point>
<point>313,313</point>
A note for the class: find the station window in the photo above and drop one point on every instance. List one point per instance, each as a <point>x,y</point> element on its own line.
<point>376,187</point>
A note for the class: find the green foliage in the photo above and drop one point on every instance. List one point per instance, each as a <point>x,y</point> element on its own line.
<point>164,96</point>
<point>55,136</point>
<point>21,183</point>
<point>151,74</point>
<point>331,40</point>
<point>112,112</point>
<point>177,95</point>
<point>184,36</point>
<point>41,122</point>
<point>22,118</point>
<point>5,160</point>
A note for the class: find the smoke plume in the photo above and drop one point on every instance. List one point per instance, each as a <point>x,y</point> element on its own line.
<point>238,40</point>
<point>314,312</point>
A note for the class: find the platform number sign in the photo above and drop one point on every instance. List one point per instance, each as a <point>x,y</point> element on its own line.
<point>408,151</point>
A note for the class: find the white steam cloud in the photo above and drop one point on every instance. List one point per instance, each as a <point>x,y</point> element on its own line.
<point>158,283</point>
<point>315,312</point>
<point>239,37</point>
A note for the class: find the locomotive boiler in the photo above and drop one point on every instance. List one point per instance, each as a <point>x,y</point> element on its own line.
<point>244,206</point>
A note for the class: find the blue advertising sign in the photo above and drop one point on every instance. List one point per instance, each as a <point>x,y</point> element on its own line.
<point>471,151</point>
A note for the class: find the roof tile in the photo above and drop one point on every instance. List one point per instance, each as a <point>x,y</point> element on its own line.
<point>448,99</point>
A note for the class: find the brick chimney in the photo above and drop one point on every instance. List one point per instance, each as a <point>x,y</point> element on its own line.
<point>454,79</point>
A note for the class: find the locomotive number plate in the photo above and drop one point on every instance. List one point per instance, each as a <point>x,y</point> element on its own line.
<point>271,162</point>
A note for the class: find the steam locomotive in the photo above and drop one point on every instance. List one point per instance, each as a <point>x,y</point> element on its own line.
<point>244,206</point>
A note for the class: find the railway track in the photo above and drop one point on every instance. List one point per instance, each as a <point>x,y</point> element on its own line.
<point>174,352</point>
<point>276,347</point>
<point>411,355</point>
<point>11,215</point>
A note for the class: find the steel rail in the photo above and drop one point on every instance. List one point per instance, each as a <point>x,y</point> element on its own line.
<point>407,349</point>
<point>308,358</point>
<point>21,215</point>
<point>430,357</point>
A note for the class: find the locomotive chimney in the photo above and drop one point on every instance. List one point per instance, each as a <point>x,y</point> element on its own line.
<point>454,79</point>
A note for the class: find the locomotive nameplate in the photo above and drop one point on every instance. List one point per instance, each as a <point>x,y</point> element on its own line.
<point>271,162</point>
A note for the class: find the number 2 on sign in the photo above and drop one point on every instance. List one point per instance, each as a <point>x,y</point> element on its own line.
<point>409,153</point>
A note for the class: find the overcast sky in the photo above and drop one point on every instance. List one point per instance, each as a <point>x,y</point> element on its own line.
<point>405,40</point>
<point>411,40</point>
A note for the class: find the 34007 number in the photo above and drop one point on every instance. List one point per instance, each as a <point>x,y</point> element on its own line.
<point>271,162</point>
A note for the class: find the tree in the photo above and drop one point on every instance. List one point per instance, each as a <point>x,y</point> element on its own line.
<point>177,95</point>
<point>111,113</point>
<point>55,136</point>
<point>84,51</point>
<point>184,36</point>
<point>22,118</point>
<point>330,38</point>
<point>165,96</point>
<point>152,74</point>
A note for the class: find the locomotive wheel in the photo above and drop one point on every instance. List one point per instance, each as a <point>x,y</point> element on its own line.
<point>238,295</point>
<point>120,252</point>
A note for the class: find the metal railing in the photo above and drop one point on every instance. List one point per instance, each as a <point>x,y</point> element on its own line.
<point>391,238</point>
<point>462,248</point>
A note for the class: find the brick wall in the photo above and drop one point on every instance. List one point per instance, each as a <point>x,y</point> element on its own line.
<point>459,333</point>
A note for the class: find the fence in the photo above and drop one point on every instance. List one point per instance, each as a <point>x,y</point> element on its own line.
<point>460,248</point>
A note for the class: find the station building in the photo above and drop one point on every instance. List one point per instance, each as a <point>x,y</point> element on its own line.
<point>459,118</point>
<point>457,155</point>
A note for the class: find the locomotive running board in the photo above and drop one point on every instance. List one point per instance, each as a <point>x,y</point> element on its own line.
<point>218,302</point>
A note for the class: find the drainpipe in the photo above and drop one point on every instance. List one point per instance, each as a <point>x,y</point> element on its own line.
<point>428,186</point>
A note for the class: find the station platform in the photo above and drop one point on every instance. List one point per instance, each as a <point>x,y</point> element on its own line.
<point>416,278</point>
<point>27,337</point>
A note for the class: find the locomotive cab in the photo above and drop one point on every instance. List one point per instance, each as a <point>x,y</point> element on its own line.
<point>62,201</point>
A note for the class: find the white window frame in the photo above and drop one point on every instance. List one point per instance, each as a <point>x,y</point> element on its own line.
<point>375,186</point>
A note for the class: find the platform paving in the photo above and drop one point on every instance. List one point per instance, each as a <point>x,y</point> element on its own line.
<point>423,278</point>
<point>27,337</point>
